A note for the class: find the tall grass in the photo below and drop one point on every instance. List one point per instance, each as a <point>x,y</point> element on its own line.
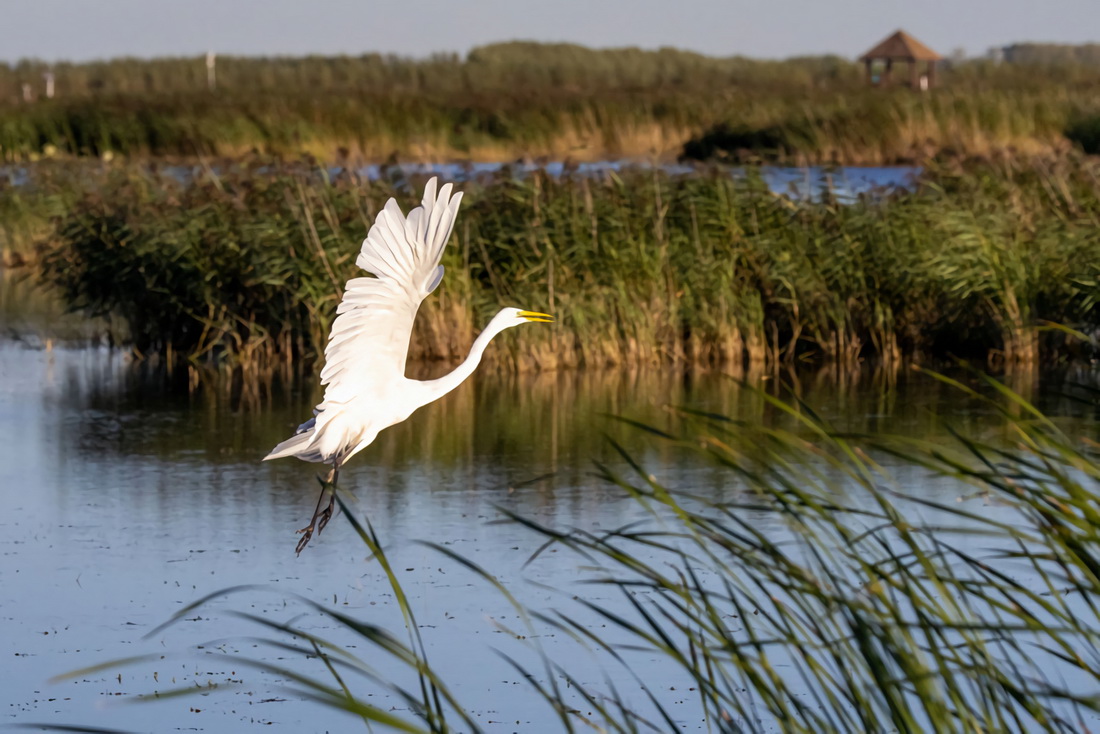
<point>533,100</point>
<point>245,266</point>
<point>486,69</point>
<point>814,593</point>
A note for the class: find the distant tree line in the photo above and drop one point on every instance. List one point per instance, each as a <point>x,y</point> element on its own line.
<point>1086,54</point>
<point>512,66</point>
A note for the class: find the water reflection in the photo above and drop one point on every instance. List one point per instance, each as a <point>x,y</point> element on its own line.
<point>497,432</point>
<point>33,315</point>
<point>127,501</point>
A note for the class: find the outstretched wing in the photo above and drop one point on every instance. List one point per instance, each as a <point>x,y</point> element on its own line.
<point>369,341</point>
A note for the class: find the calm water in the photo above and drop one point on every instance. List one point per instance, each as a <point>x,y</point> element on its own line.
<point>799,182</point>
<point>123,503</point>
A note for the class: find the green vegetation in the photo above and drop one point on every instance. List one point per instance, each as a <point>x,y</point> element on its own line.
<point>527,66</point>
<point>513,100</point>
<point>246,266</point>
<point>1054,54</point>
<point>813,592</point>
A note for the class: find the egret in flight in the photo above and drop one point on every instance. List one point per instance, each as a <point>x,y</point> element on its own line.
<point>364,375</point>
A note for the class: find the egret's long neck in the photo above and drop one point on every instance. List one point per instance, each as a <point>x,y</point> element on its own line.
<point>439,387</point>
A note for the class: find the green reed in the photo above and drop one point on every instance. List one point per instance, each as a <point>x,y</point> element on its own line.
<point>815,592</point>
<point>533,100</point>
<point>245,266</point>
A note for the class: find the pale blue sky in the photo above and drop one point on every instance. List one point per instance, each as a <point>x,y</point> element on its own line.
<point>88,29</point>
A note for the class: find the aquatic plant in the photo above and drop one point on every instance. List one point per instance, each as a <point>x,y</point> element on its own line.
<point>244,266</point>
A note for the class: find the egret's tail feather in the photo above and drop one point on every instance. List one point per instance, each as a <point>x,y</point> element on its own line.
<point>297,445</point>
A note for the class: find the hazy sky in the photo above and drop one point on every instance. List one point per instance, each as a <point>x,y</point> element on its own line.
<point>88,29</point>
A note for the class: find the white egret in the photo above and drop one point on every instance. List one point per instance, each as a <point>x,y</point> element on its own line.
<point>364,374</point>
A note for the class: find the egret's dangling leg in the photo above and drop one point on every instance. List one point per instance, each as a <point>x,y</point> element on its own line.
<point>326,515</point>
<point>321,517</point>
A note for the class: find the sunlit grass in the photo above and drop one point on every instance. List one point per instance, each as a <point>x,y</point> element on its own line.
<point>514,100</point>
<point>244,264</point>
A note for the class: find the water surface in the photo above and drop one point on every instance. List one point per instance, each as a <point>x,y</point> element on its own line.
<point>799,182</point>
<point>124,502</point>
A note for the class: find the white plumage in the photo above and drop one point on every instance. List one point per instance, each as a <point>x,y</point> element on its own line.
<point>364,374</point>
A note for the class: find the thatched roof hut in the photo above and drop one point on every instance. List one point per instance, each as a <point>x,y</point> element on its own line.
<point>901,47</point>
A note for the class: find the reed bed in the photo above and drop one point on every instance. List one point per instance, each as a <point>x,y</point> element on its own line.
<point>509,101</point>
<point>814,592</point>
<point>245,266</point>
<point>486,69</point>
<point>861,127</point>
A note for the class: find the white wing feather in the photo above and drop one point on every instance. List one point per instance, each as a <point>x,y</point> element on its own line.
<point>364,373</point>
<point>369,341</point>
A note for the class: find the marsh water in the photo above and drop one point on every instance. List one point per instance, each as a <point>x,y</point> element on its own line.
<point>843,182</point>
<point>800,182</point>
<point>126,498</point>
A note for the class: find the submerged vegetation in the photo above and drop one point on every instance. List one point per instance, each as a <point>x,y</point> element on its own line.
<point>513,100</point>
<point>803,588</point>
<point>246,265</point>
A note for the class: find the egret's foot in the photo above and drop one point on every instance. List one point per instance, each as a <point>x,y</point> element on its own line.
<point>320,516</point>
<point>306,534</point>
<point>326,515</point>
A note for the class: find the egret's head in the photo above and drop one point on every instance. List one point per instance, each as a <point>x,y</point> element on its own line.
<point>516,316</point>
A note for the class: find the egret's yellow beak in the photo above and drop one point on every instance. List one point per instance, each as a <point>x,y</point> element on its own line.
<point>544,318</point>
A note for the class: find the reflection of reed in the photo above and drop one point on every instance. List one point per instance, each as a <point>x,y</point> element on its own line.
<point>520,440</point>
<point>33,313</point>
<point>554,422</point>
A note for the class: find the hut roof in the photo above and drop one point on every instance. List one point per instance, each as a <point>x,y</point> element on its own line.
<point>901,47</point>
